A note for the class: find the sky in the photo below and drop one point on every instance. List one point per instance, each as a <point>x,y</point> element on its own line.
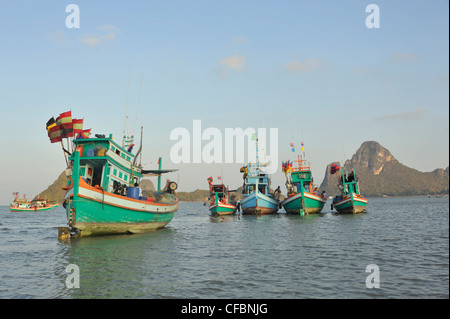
<point>313,70</point>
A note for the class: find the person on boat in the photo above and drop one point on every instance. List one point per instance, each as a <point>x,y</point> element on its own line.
<point>277,193</point>
<point>324,195</point>
<point>316,191</point>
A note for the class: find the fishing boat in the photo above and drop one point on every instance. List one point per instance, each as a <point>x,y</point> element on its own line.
<point>24,205</point>
<point>103,195</point>
<point>219,199</point>
<point>302,198</point>
<point>350,201</point>
<point>257,198</point>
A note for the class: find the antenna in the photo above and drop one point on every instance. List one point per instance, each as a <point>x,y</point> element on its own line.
<point>139,103</point>
<point>126,107</point>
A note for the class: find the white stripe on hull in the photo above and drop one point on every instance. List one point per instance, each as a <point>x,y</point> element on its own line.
<point>144,206</point>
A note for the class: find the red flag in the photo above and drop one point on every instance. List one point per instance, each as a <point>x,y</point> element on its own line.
<point>55,134</point>
<point>85,133</point>
<point>64,118</point>
<point>65,121</point>
<point>77,125</point>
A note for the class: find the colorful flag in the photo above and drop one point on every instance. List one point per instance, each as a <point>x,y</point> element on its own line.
<point>50,123</point>
<point>210,179</point>
<point>85,133</point>
<point>291,144</point>
<point>303,149</point>
<point>65,121</point>
<point>334,168</point>
<point>219,178</point>
<point>254,137</point>
<point>77,125</point>
<point>55,133</point>
<point>64,118</point>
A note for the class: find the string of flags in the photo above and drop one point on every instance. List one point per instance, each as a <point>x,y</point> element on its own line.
<point>293,147</point>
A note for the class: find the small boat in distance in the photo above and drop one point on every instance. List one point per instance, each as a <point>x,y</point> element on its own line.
<point>301,198</point>
<point>219,199</point>
<point>350,201</point>
<point>24,205</point>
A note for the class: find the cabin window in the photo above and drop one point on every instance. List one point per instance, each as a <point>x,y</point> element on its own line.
<point>262,189</point>
<point>128,158</point>
<point>123,155</point>
<point>117,152</point>
<point>114,172</point>
<point>120,174</point>
<point>113,148</point>
<point>125,177</point>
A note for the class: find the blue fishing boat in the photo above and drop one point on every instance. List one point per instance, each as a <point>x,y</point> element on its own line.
<point>257,198</point>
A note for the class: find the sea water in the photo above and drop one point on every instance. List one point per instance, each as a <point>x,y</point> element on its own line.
<point>272,257</point>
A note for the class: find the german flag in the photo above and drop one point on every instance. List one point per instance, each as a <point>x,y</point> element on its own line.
<point>50,123</point>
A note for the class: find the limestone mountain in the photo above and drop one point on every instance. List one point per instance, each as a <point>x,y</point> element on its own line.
<point>380,174</point>
<point>54,192</point>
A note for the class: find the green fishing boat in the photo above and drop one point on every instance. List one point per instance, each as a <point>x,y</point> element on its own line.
<point>350,201</point>
<point>301,198</point>
<point>220,202</point>
<point>103,195</point>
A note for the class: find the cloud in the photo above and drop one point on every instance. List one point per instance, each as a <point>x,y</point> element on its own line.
<point>301,67</point>
<point>404,116</point>
<point>234,62</point>
<point>90,40</point>
<point>57,37</point>
<point>404,57</point>
<point>239,40</point>
<point>94,40</point>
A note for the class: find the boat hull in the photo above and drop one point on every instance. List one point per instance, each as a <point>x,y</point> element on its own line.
<point>100,213</point>
<point>222,209</point>
<point>259,204</point>
<point>33,209</point>
<point>307,204</point>
<point>351,205</point>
